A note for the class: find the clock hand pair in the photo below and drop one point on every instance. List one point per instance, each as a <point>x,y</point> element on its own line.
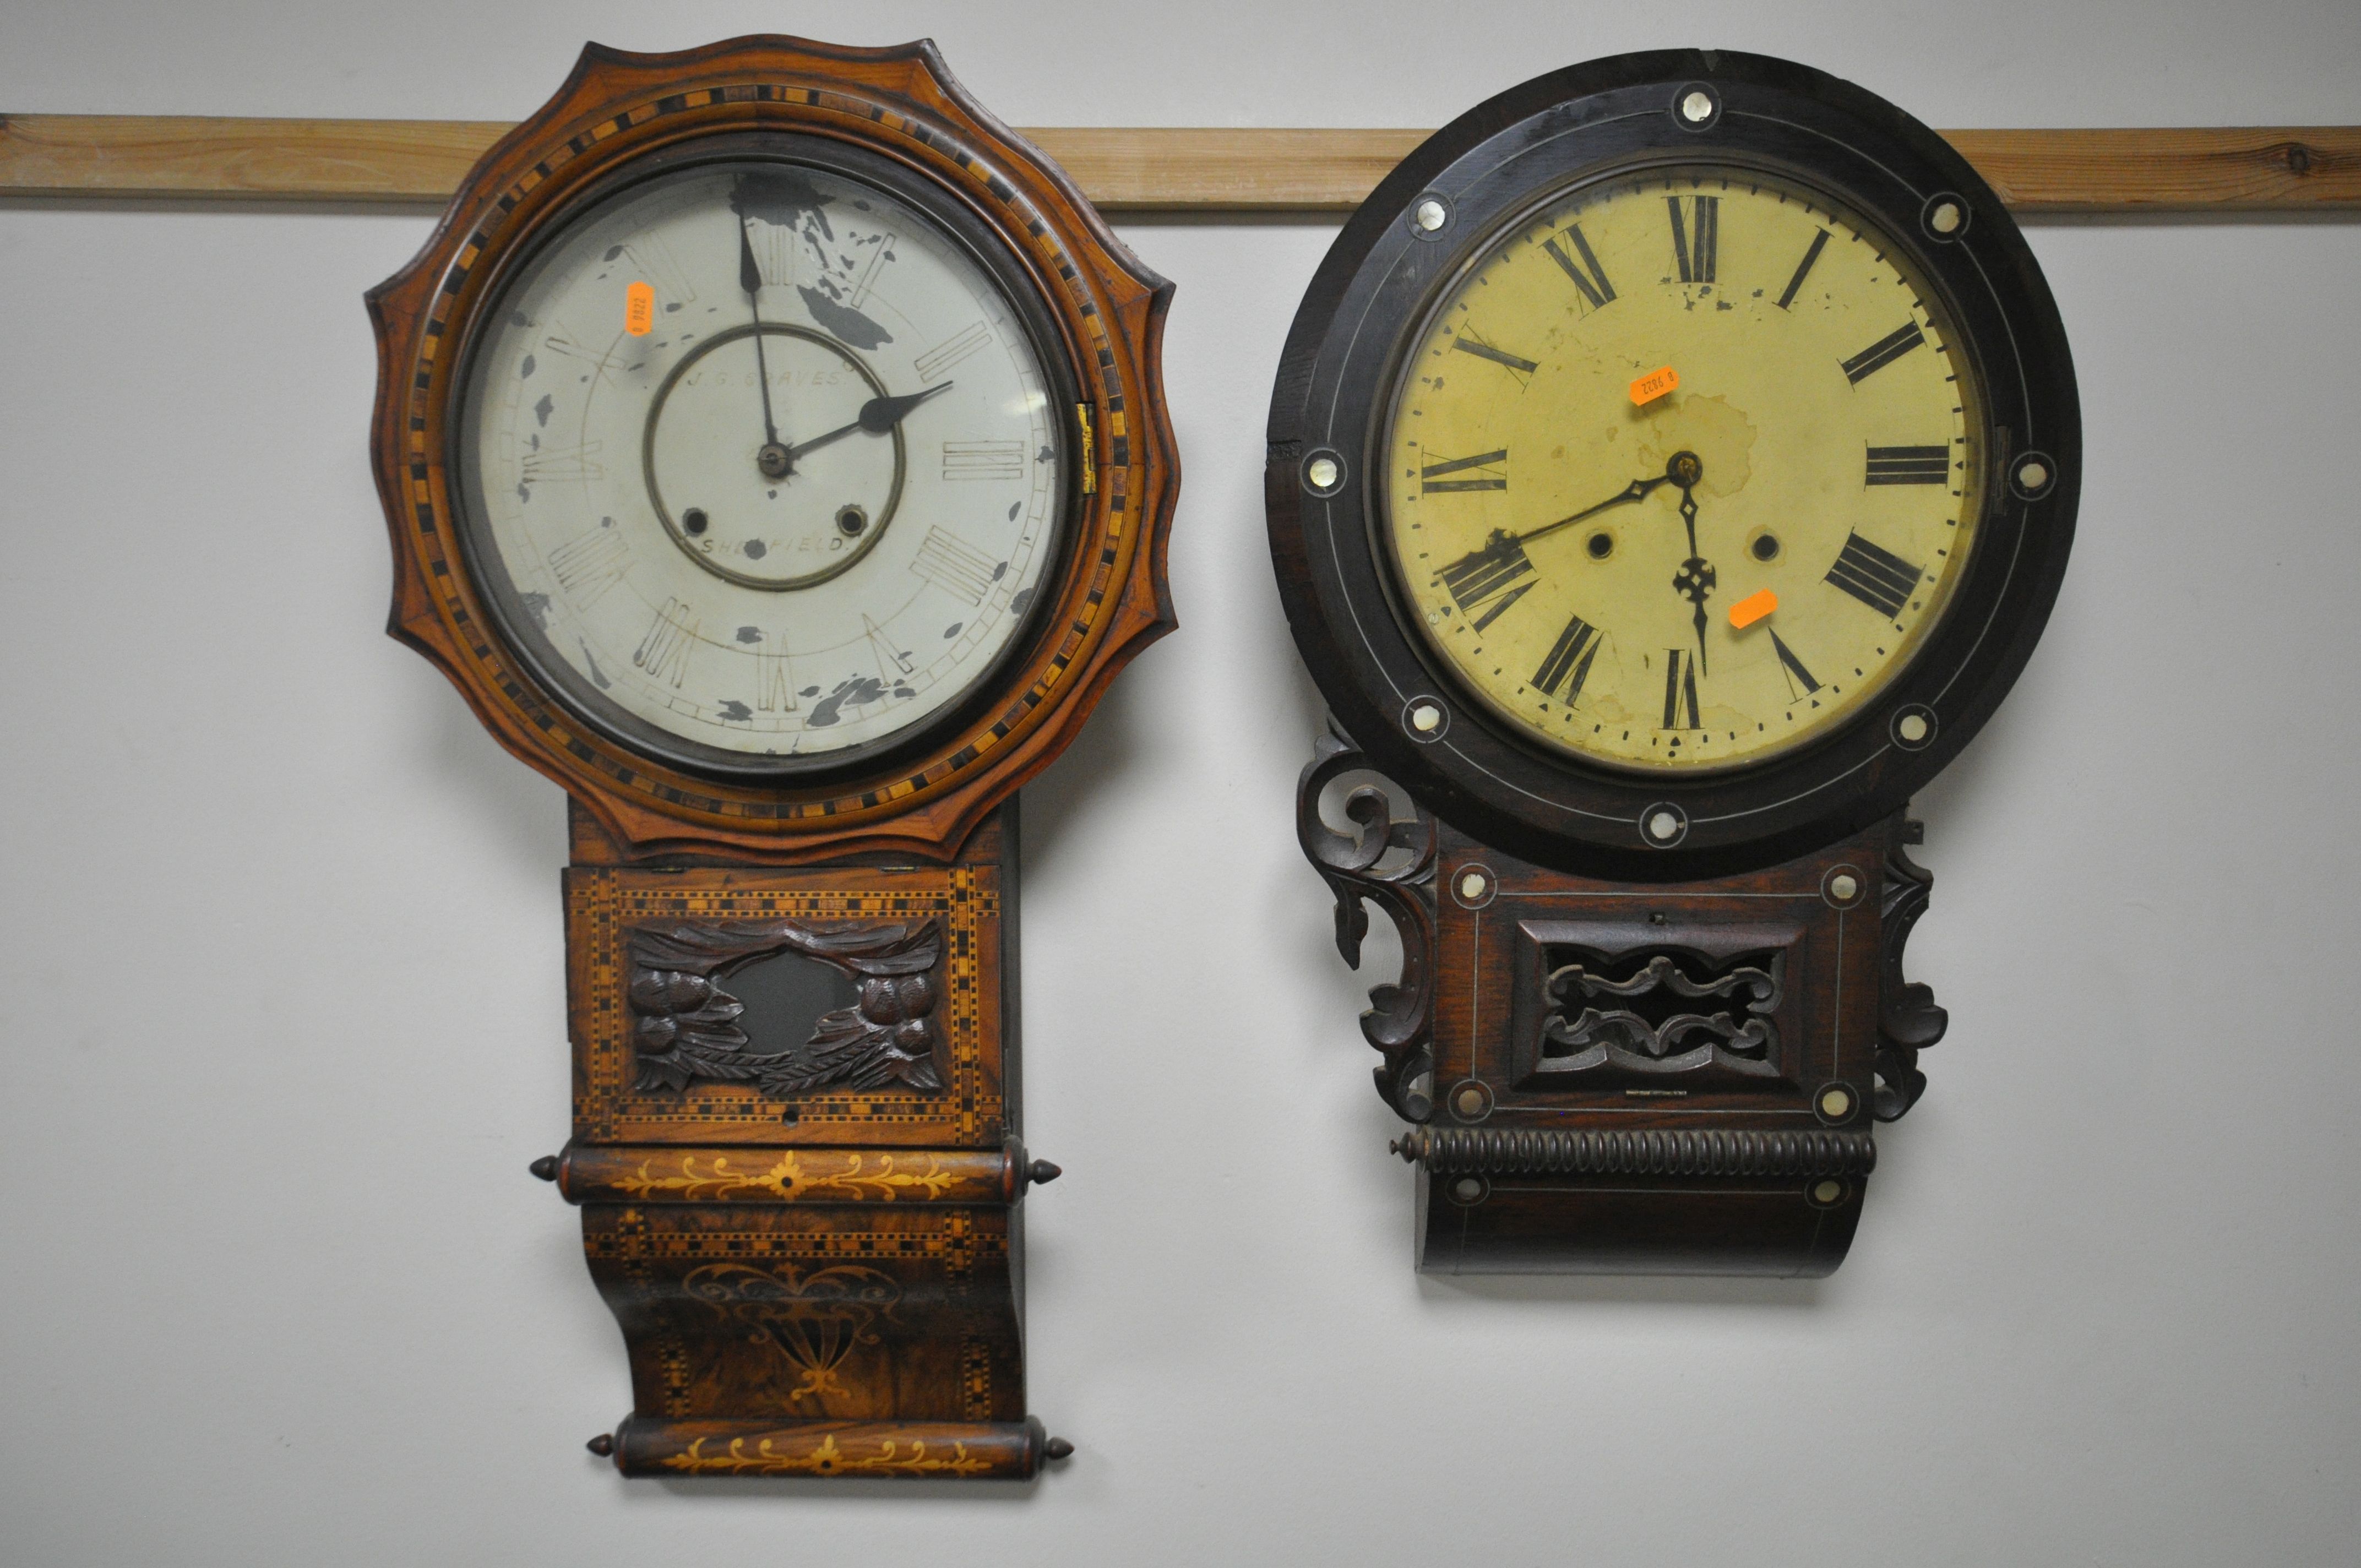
<point>877,416</point>
<point>774,459</point>
<point>1696,579</point>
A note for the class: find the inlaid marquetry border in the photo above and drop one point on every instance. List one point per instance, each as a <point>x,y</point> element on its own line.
<point>953,157</point>
<point>1110,598</point>
<point>605,904</point>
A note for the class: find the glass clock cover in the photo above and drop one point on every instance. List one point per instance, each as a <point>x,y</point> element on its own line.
<point>1681,467</point>
<point>760,465</point>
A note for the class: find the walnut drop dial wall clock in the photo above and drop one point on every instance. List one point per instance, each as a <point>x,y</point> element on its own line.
<point>1672,465</point>
<point>774,453</point>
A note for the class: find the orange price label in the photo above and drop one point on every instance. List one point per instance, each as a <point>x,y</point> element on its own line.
<point>639,309</point>
<point>1654,384</point>
<point>1753,608</point>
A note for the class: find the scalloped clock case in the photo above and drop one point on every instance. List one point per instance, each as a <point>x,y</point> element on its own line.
<point>814,1254</point>
<point>898,104</point>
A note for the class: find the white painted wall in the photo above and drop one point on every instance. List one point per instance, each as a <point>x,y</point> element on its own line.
<point>281,927</point>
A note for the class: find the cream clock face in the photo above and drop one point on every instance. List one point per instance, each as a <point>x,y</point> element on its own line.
<point>1702,576</point>
<point>756,456</point>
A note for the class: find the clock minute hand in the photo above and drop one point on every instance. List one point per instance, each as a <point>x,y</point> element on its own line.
<point>774,460</point>
<point>877,416</point>
<point>1681,469</point>
<point>1637,490</point>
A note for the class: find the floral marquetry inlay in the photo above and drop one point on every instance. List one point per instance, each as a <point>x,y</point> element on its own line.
<point>851,1175</point>
<point>770,1456</point>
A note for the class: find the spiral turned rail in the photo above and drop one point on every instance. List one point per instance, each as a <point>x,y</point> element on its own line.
<point>1504,1152</point>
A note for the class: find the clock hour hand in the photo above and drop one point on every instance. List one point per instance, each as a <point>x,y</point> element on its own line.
<point>877,416</point>
<point>1694,580</point>
<point>774,459</point>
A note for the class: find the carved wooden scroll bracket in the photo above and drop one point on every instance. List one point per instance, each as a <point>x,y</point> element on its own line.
<point>1391,864</point>
<point>1907,1019</point>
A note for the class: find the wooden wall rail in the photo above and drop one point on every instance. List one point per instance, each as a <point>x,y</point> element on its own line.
<point>2314,169</point>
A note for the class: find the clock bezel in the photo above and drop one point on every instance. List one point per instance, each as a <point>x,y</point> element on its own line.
<point>1001,267</point>
<point>1336,383</point>
<point>1111,597</point>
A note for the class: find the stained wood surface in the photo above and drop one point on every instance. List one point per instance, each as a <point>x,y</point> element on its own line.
<point>1196,169</point>
<point>1108,598</point>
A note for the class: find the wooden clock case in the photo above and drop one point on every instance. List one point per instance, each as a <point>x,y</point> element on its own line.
<point>816,1261</point>
<point>1775,898</point>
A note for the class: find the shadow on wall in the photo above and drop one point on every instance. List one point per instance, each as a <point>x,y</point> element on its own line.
<point>524,813</point>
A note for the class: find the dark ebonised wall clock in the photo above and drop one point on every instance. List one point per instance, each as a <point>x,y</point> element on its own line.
<point>774,453</point>
<point>1672,465</point>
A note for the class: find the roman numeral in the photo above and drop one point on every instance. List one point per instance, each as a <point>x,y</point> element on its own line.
<point>868,273</point>
<point>562,463</point>
<point>772,247</point>
<point>663,652</point>
<point>1680,691</point>
<point>950,351</point>
<point>1908,466</point>
<point>563,342</point>
<point>1878,578</point>
<point>1568,664</point>
<point>891,660</point>
<point>1884,352</point>
<point>1588,275</point>
<point>1804,268</point>
<point>590,562</point>
<point>1693,245</point>
<point>1490,579</point>
<point>1797,675</point>
<point>1430,477</point>
<point>775,685</point>
<point>953,565</point>
<point>983,459</point>
<point>1497,356</point>
<point>648,256</point>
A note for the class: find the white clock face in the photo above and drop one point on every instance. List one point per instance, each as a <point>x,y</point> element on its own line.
<point>756,456</point>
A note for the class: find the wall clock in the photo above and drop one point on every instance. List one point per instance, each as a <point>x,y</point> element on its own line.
<point>1672,465</point>
<point>774,453</point>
